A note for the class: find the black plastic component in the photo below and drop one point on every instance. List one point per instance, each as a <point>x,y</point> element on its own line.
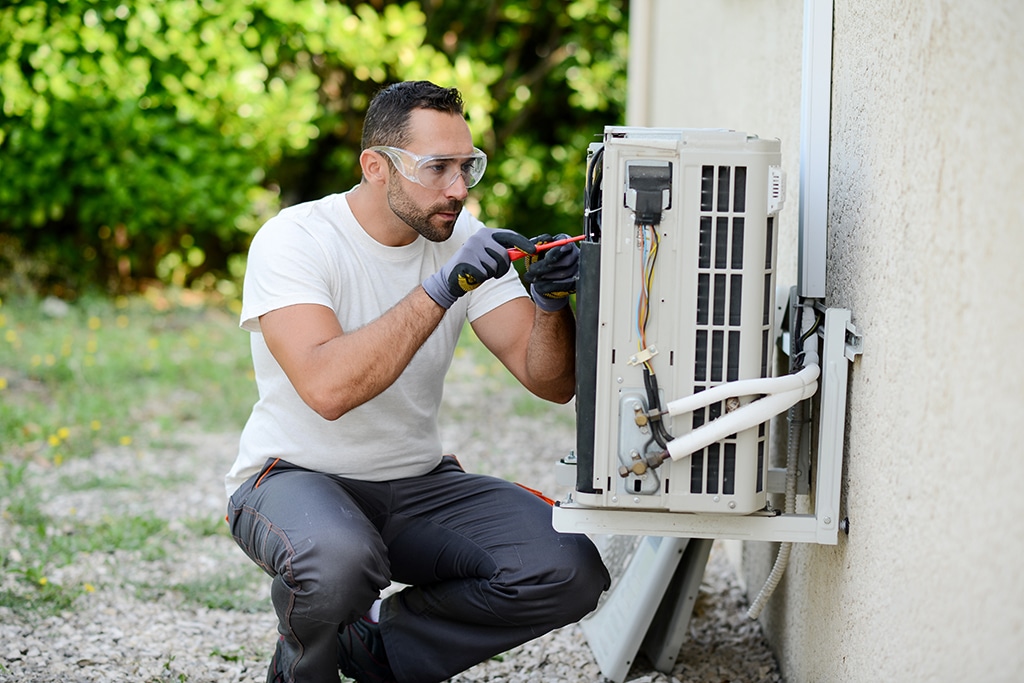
<point>587,300</point>
<point>650,183</point>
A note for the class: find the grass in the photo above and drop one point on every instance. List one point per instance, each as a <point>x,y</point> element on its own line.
<point>105,371</point>
<point>221,591</point>
<point>105,374</point>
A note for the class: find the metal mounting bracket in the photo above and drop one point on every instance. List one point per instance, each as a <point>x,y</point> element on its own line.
<point>854,343</point>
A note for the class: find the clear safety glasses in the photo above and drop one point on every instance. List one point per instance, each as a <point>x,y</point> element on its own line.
<point>437,171</point>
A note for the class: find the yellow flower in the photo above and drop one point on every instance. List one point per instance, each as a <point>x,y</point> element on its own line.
<point>89,588</point>
<point>53,440</point>
<point>63,432</point>
<point>43,581</point>
<point>58,459</point>
<point>3,383</point>
<point>122,321</point>
<point>95,323</point>
<point>95,425</point>
<point>126,440</point>
<point>11,336</point>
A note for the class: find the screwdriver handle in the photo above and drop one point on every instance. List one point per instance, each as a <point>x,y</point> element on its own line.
<point>516,254</point>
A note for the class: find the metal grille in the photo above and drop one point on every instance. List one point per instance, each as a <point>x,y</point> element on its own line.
<point>719,318</point>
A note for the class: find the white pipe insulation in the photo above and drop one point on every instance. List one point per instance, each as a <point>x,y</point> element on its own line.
<point>781,394</point>
<point>743,387</point>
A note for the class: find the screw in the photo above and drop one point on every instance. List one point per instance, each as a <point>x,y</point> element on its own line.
<point>844,525</point>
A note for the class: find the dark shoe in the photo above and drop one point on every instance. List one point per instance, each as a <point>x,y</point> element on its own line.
<point>361,653</point>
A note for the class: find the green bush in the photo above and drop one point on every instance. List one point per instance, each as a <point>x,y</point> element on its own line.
<point>135,138</point>
<point>151,139</point>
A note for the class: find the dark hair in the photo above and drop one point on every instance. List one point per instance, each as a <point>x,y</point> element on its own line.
<point>387,119</point>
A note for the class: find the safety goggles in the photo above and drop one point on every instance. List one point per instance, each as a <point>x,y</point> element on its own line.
<point>437,171</point>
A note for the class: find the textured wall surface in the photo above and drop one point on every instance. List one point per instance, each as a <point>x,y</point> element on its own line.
<point>926,247</point>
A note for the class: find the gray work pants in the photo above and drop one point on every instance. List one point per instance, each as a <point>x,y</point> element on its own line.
<point>485,569</point>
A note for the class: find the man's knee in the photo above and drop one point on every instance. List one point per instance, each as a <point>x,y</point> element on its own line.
<point>588,577</point>
<point>337,579</point>
<point>559,588</point>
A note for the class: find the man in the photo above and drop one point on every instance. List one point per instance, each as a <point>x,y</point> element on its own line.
<point>355,302</point>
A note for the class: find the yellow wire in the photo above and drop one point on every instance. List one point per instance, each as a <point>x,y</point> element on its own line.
<point>647,281</point>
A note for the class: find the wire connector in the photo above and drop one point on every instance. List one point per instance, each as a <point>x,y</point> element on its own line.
<point>648,189</point>
<point>644,355</point>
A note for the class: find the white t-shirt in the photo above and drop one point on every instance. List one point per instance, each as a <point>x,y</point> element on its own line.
<point>317,253</point>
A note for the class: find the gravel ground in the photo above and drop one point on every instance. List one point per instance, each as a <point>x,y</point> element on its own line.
<point>138,623</point>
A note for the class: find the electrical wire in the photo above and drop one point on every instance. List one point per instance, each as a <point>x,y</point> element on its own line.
<point>592,197</point>
<point>818,319</point>
<point>648,256</point>
<point>658,431</point>
<point>649,242</point>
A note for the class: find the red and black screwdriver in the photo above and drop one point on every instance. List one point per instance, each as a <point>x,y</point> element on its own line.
<point>515,254</point>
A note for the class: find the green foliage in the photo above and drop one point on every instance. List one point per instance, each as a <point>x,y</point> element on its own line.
<point>131,133</point>
<point>150,139</point>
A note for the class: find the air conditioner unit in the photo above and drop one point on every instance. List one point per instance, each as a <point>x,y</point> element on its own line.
<point>676,296</point>
<point>677,328</point>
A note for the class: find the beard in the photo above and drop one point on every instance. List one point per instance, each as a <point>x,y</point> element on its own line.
<point>423,220</point>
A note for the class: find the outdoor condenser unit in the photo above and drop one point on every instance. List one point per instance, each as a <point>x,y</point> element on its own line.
<point>676,296</point>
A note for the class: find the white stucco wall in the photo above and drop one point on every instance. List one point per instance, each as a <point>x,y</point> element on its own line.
<point>926,247</point>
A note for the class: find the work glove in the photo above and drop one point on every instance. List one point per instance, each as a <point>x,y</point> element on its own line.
<point>552,274</point>
<point>483,256</point>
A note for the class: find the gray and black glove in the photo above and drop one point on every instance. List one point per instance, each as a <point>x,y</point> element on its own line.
<point>552,274</point>
<point>483,256</point>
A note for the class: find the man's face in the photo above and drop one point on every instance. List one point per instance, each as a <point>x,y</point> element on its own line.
<point>431,213</point>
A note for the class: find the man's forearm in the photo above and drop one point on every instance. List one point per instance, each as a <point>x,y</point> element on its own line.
<point>358,365</point>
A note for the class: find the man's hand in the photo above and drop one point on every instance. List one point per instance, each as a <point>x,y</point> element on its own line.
<point>483,256</point>
<point>552,276</point>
